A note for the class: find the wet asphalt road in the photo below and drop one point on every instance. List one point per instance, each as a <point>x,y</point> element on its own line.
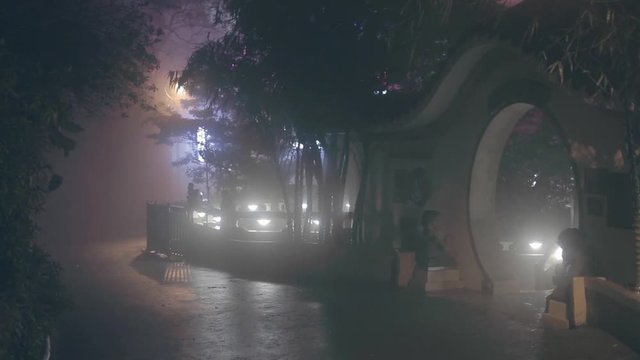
<point>132,306</point>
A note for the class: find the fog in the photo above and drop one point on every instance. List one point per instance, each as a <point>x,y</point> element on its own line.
<point>116,169</point>
<point>108,179</point>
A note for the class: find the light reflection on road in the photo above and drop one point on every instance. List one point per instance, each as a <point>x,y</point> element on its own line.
<point>256,319</point>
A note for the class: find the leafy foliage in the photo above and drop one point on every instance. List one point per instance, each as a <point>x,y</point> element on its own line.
<point>307,73</point>
<point>58,61</point>
<point>593,45</point>
<point>321,65</point>
<point>226,153</point>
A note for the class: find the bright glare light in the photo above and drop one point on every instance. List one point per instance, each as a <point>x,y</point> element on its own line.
<point>315,222</point>
<point>304,206</point>
<point>347,205</point>
<point>213,219</point>
<point>217,227</point>
<point>535,245</point>
<point>199,214</point>
<point>264,222</point>
<point>557,255</point>
<point>252,207</point>
<point>201,142</point>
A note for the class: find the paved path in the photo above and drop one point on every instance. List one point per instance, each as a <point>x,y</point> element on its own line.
<point>130,306</point>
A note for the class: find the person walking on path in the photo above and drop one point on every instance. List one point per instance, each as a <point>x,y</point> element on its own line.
<point>194,200</point>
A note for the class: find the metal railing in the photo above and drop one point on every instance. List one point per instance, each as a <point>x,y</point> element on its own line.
<point>166,227</point>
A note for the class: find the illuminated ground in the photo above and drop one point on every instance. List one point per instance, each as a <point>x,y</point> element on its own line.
<point>134,307</point>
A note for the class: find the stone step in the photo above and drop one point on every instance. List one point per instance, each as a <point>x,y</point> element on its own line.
<point>443,278</point>
<point>443,285</point>
<point>443,274</point>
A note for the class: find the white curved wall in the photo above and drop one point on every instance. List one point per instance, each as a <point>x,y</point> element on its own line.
<point>484,175</point>
<point>464,193</point>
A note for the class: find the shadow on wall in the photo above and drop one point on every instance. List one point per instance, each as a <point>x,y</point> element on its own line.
<point>614,310</point>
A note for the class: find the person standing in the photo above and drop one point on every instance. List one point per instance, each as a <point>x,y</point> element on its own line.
<point>194,200</point>
<point>228,210</point>
<point>421,246</point>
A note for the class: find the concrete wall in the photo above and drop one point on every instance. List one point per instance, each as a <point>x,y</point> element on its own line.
<point>615,310</point>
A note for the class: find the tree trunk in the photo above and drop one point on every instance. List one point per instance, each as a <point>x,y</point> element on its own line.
<point>631,120</point>
<point>285,196</point>
<point>317,169</point>
<point>297,216</point>
<point>341,180</point>
<point>357,235</point>
<point>329,188</point>
<point>207,180</point>
<point>308,173</point>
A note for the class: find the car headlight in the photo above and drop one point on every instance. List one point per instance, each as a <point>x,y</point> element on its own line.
<point>535,245</point>
<point>252,207</point>
<point>264,222</point>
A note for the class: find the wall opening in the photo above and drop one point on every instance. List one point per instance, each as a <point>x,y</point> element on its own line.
<point>522,195</point>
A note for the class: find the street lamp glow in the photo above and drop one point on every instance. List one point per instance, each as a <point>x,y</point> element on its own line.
<point>535,245</point>
<point>264,222</point>
<point>252,207</point>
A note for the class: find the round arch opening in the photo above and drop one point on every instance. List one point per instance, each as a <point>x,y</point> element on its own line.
<point>496,255</point>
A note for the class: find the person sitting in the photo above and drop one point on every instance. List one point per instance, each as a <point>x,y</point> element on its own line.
<point>575,262</point>
<point>433,251</point>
